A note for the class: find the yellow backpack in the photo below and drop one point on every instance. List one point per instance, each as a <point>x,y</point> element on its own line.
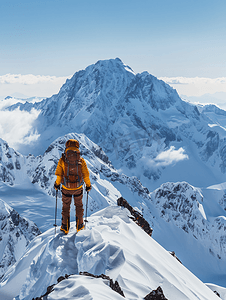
<point>72,178</point>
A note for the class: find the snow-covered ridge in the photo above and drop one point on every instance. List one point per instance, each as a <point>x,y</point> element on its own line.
<point>113,245</point>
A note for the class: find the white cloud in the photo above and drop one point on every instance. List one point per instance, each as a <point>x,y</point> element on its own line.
<point>194,80</point>
<point>196,86</point>
<point>170,156</point>
<point>16,127</point>
<point>28,79</point>
<point>30,85</point>
<point>165,158</point>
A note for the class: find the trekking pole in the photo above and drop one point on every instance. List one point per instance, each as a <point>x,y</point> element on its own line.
<point>86,209</point>
<point>55,212</point>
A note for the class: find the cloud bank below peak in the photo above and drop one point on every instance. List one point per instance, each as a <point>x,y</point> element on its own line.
<point>30,85</point>
<point>196,86</point>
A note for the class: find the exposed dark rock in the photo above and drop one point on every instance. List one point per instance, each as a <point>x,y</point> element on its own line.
<point>50,288</point>
<point>217,293</point>
<point>156,295</point>
<point>114,286</point>
<point>174,255</point>
<point>100,153</point>
<point>137,217</point>
<point>61,278</point>
<point>211,145</point>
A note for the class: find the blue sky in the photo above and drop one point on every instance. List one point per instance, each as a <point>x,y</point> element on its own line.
<point>166,38</point>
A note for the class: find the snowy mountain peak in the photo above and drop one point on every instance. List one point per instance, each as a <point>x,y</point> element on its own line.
<point>105,75</point>
<point>140,122</point>
<point>106,101</point>
<point>110,65</point>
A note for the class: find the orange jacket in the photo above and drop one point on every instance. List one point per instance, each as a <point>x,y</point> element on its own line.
<point>60,172</point>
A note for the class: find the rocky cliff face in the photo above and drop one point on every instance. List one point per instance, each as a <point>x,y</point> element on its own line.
<point>185,207</point>
<point>16,233</point>
<point>11,163</point>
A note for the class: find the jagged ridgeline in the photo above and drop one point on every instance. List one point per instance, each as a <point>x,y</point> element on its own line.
<point>113,259</point>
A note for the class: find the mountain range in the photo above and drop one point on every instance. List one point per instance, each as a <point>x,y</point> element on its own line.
<point>167,157</point>
<point>140,122</point>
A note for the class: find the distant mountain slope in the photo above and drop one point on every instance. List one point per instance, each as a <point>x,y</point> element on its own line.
<point>112,245</point>
<point>16,233</point>
<point>219,98</point>
<point>139,121</point>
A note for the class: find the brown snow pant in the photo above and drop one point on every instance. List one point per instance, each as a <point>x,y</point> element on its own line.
<point>66,202</point>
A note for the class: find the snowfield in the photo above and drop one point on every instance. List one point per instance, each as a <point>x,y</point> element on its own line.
<point>112,244</point>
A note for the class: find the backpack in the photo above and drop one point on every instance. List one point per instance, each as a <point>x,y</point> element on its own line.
<point>72,177</point>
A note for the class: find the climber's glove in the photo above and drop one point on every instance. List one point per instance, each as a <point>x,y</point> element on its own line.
<point>56,186</point>
<point>88,188</point>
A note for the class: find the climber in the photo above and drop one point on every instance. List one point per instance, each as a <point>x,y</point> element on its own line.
<point>71,171</point>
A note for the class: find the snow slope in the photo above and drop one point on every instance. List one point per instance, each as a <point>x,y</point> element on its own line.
<point>113,245</point>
